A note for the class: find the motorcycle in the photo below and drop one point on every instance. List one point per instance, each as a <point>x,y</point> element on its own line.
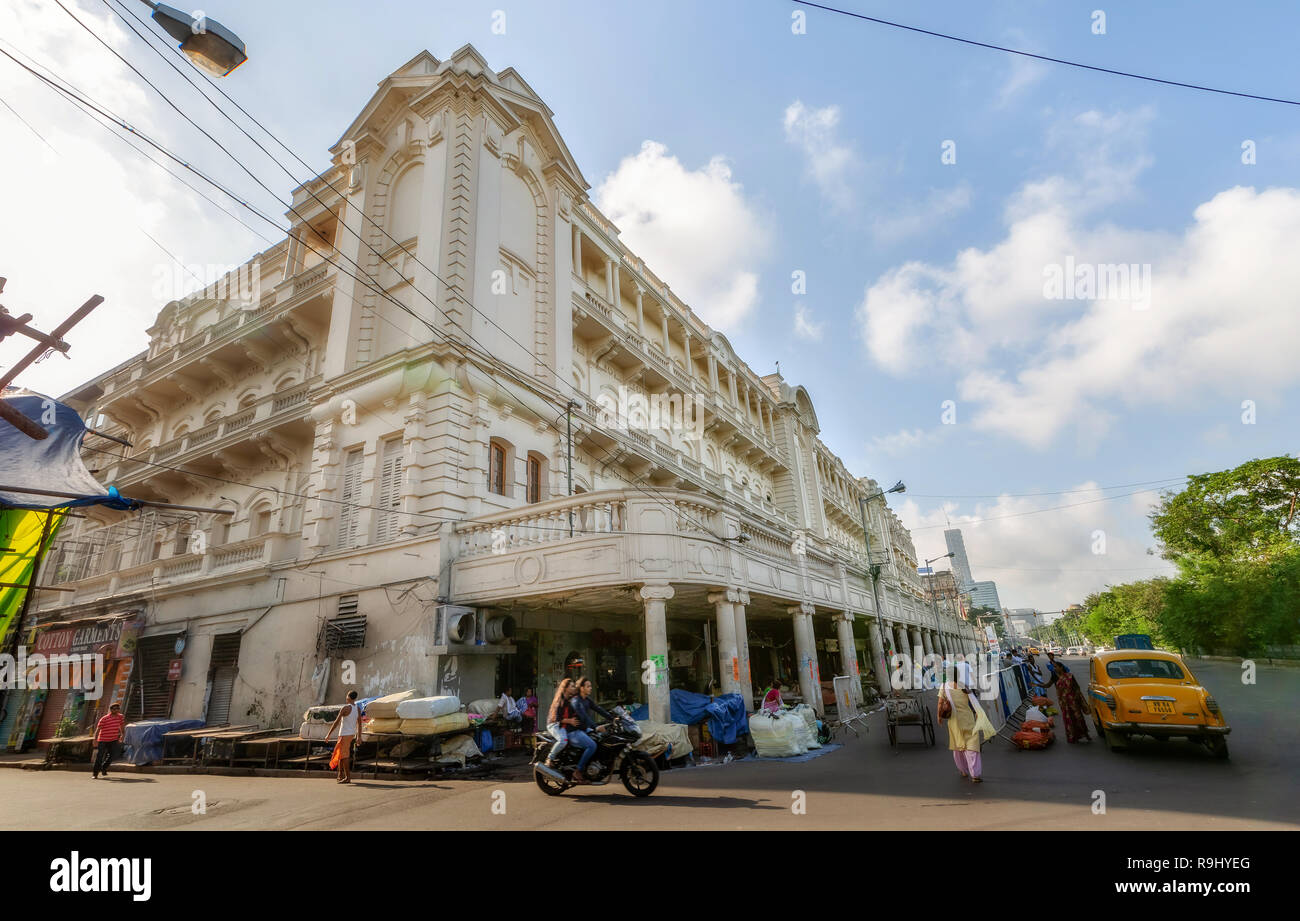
<point>614,756</point>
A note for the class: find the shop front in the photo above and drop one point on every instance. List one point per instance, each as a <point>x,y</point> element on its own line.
<point>49,707</point>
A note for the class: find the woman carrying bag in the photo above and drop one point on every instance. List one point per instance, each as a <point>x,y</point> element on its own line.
<point>966,721</point>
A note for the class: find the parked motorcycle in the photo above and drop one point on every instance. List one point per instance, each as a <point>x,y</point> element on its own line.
<point>614,756</point>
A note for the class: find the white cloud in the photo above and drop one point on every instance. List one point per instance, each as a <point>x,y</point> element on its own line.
<point>79,217</point>
<point>1035,367</point>
<point>694,228</point>
<point>901,442</point>
<point>1022,72</point>
<point>1045,560</point>
<point>828,159</point>
<point>804,327</point>
<point>908,220</point>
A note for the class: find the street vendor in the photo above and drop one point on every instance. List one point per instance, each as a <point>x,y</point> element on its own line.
<point>772,702</point>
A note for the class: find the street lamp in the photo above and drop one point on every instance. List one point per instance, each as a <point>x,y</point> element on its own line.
<point>206,42</point>
<point>874,570</point>
<point>934,607</point>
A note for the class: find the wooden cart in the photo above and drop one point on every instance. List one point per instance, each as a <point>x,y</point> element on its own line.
<point>908,708</point>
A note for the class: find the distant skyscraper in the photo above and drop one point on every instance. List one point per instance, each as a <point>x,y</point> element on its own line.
<point>960,565</point>
<point>985,594</point>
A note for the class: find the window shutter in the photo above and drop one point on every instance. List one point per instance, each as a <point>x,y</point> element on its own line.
<point>349,513</point>
<point>390,491</point>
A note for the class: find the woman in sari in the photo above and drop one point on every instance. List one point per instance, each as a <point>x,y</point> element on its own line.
<point>1071,700</point>
<point>966,723</point>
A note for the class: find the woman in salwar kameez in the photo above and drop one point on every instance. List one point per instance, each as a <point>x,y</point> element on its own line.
<point>1071,700</point>
<point>966,724</point>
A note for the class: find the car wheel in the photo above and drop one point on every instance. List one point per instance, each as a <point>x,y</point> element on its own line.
<point>1217,745</point>
<point>1096,724</point>
<point>1115,741</point>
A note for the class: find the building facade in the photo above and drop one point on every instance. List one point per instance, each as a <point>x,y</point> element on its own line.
<point>454,388</point>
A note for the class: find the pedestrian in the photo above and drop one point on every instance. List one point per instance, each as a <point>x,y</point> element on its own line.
<point>528,704</point>
<point>966,721</point>
<point>348,722</point>
<point>107,743</point>
<point>1070,698</point>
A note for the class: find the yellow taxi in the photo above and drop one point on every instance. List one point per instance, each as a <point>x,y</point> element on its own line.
<point>1152,692</point>
<point>1034,651</point>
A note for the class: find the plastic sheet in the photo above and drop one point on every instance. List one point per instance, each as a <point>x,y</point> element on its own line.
<point>143,741</point>
<point>778,736</point>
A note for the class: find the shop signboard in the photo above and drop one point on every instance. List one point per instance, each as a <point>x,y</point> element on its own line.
<point>174,669</point>
<point>122,681</point>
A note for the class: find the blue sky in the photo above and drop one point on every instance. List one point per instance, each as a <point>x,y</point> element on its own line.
<point>825,149</point>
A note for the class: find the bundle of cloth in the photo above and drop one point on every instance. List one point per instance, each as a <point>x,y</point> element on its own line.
<point>779,734</point>
<point>668,739</point>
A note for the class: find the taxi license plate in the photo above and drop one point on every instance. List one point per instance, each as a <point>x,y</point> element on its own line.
<point>1160,706</point>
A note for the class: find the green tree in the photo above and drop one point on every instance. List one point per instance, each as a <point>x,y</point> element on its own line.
<point>1134,607</point>
<point>1235,537</point>
<point>1251,512</point>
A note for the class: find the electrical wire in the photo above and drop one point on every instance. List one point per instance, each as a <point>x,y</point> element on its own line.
<point>452,289</point>
<point>1043,57</point>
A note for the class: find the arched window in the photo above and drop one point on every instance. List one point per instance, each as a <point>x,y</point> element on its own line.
<point>536,477</point>
<point>259,521</point>
<point>500,457</point>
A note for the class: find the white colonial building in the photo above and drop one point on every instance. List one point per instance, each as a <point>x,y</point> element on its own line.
<point>380,463</point>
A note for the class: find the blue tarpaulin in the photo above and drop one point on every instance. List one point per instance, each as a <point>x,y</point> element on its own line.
<point>144,740</point>
<point>725,713</point>
<point>49,463</point>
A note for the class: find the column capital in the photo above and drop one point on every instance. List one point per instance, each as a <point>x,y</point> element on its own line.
<point>744,597</point>
<point>846,616</point>
<point>806,607</point>
<point>729,595</point>
<point>657,591</point>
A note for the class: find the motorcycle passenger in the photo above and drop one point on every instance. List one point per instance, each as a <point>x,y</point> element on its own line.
<point>583,705</point>
<point>560,718</point>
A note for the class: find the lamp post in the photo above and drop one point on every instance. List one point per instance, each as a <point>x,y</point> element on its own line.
<point>206,42</point>
<point>874,570</point>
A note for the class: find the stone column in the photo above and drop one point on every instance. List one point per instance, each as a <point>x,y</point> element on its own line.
<point>878,662</point>
<point>805,647</point>
<point>664,315</point>
<point>848,651</point>
<point>655,597</point>
<point>927,639</point>
<point>728,655</point>
<point>917,651</point>
<point>609,280</point>
<point>640,309</point>
<point>904,644</point>
<point>742,647</point>
<point>577,250</point>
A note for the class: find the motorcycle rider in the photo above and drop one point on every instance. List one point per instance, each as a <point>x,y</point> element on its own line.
<point>582,706</point>
<point>560,718</point>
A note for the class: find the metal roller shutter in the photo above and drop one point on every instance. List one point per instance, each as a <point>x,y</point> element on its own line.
<point>53,712</point>
<point>222,670</point>
<point>152,697</point>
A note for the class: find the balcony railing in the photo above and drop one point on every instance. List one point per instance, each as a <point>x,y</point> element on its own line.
<point>270,409</point>
<point>301,284</point>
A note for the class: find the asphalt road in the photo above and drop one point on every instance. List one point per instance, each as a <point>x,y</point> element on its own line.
<point>862,785</point>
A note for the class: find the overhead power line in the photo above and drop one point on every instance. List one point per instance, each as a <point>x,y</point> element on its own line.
<point>1043,57</point>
